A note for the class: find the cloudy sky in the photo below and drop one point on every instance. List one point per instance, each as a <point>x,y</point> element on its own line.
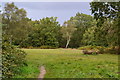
<point>62,10</point>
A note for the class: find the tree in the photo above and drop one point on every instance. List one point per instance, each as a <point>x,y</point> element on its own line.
<point>111,10</point>
<point>104,10</point>
<point>89,36</point>
<point>12,58</point>
<point>16,25</point>
<point>98,36</point>
<point>45,32</point>
<point>82,22</point>
<point>50,30</point>
<point>67,30</point>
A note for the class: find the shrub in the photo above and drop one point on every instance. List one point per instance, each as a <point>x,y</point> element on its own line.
<point>25,43</point>
<point>47,47</point>
<point>12,60</point>
<point>93,52</point>
<point>99,49</point>
<point>30,47</point>
<point>92,49</point>
<point>111,50</point>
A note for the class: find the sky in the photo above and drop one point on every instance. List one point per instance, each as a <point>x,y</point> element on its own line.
<point>62,10</point>
<point>46,0</point>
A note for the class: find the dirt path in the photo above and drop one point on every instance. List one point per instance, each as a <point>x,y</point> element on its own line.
<point>42,73</point>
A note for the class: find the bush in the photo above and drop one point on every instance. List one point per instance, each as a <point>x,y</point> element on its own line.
<point>92,49</point>
<point>111,50</point>
<point>99,49</point>
<point>93,52</point>
<point>47,47</point>
<point>24,45</point>
<point>86,48</point>
<point>12,60</point>
<point>30,47</point>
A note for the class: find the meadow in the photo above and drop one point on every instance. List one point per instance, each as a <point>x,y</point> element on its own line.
<point>69,63</point>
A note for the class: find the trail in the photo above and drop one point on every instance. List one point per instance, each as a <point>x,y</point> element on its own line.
<point>42,73</point>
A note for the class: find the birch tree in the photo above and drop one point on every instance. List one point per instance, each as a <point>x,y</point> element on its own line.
<point>67,30</point>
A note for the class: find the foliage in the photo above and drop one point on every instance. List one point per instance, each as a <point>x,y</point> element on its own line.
<point>89,37</point>
<point>111,10</point>
<point>86,47</point>
<point>97,49</point>
<point>12,60</point>
<point>100,49</point>
<point>90,52</point>
<point>45,32</point>
<point>16,25</point>
<point>111,50</point>
<point>82,22</point>
<point>104,10</point>
<point>112,35</point>
<point>96,36</point>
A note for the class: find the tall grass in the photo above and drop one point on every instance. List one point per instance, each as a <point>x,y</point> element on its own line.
<point>69,63</point>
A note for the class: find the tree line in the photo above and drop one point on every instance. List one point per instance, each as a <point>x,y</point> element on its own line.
<point>79,30</point>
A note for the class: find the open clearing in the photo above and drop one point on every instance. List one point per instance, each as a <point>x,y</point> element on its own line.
<point>69,63</point>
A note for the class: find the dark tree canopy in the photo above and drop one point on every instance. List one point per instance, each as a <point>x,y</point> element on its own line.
<point>104,10</point>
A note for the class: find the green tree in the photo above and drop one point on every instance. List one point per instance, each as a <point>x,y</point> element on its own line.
<point>50,30</point>
<point>97,35</point>
<point>12,58</point>
<point>89,36</point>
<point>45,32</point>
<point>16,25</point>
<point>104,10</point>
<point>82,22</point>
<point>111,10</point>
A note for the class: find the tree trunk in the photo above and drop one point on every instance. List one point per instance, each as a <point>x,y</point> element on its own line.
<point>68,41</point>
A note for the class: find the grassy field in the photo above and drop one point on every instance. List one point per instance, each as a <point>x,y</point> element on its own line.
<point>69,63</point>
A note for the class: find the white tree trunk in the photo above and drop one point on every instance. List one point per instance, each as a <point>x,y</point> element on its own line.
<point>68,41</point>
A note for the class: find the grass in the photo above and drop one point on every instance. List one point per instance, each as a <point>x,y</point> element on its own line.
<point>69,63</point>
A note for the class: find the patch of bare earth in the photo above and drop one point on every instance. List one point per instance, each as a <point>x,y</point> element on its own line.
<point>42,73</point>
